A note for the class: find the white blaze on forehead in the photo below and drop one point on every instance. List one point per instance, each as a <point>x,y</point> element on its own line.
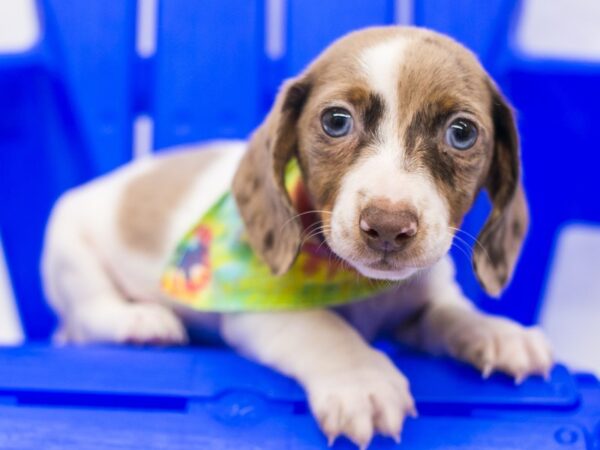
<point>380,174</point>
<point>381,64</point>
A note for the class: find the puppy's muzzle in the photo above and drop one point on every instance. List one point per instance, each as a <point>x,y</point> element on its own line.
<point>388,230</point>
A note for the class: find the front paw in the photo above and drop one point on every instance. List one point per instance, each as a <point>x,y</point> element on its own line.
<point>124,323</point>
<point>359,400</point>
<point>499,344</point>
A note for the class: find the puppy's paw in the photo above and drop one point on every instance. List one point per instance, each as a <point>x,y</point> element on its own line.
<point>368,397</point>
<point>498,344</point>
<point>150,324</point>
<point>119,322</point>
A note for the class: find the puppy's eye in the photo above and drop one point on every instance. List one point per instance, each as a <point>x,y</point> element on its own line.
<point>336,122</point>
<point>461,134</point>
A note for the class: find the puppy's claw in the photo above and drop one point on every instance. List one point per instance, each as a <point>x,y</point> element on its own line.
<point>487,371</point>
<point>358,402</point>
<point>331,439</point>
<point>361,432</point>
<point>519,378</point>
<point>412,412</point>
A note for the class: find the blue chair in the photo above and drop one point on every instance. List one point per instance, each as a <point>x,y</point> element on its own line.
<point>68,107</point>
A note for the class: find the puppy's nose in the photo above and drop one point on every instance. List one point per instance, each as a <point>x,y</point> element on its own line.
<point>387,230</point>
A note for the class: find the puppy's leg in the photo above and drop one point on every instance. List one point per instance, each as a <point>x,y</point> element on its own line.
<point>93,310</point>
<point>450,324</point>
<point>90,306</point>
<point>352,388</point>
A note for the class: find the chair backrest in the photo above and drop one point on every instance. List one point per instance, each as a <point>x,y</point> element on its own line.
<point>68,106</point>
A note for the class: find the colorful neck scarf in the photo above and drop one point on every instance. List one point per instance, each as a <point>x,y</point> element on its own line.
<point>214,269</point>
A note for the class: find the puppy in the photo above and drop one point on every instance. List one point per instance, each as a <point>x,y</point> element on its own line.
<point>395,131</point>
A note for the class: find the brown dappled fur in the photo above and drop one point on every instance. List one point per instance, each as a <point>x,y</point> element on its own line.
<point>438,79</point>
<point>503,234</point>
<point>258,185</point>
<point>148,200</point>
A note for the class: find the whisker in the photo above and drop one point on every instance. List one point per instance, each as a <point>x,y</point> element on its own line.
<point>475,240</point>
<point>312,211</point>
<point>310,236</point>
<point>469,235</point>
<point>321,244</point>
<point>462,250</point>
<point>314,232</point>
<point>467,247</point>
<point>312,227</point>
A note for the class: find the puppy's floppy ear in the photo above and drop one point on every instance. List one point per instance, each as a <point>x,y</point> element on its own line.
<point>504,231</point>
<point>258,186</point>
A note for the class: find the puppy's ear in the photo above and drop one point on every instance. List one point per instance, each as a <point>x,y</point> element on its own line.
<point>504,231</point>
<point>258,186</point>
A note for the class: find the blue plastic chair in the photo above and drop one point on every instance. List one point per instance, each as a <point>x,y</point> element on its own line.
<point>70,103</point>
<point>68,107</point>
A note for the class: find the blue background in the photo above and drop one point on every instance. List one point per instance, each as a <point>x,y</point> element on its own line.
<point>67,109</point>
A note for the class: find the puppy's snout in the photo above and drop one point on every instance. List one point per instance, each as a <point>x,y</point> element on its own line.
<point>388,229</point>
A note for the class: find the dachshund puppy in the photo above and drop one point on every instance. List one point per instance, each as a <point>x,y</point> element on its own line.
<point>395,131</point>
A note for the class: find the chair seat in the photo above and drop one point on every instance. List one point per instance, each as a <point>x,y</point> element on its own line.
<point>118,397</point>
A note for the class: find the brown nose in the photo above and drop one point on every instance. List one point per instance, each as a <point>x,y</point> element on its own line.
<point>387,230</point>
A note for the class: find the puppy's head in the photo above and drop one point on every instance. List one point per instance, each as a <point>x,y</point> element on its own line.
<point>396,131</point>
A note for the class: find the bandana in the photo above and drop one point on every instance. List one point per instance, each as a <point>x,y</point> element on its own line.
<point>214,269</point>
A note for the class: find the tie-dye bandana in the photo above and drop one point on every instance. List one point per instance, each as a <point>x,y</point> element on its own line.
<point>214,269</point>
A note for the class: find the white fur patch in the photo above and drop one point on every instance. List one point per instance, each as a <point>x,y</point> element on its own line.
<point>208,188</point>
<point>210,184</point>
<point>90,274</point>
<point>383,175</point>
<point>382,64</point>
